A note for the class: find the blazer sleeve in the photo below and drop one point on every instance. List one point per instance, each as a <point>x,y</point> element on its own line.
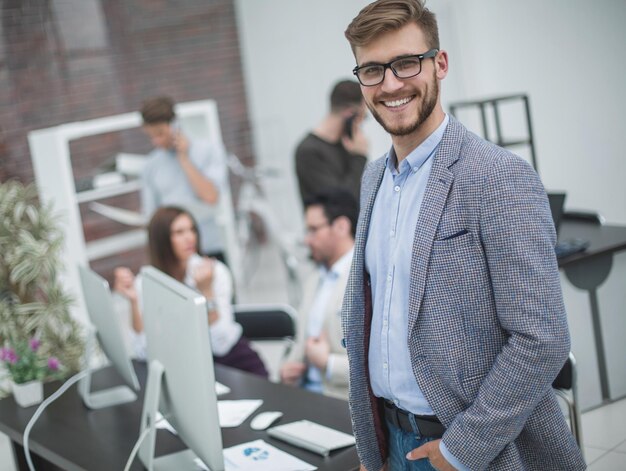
<point>518,237</point>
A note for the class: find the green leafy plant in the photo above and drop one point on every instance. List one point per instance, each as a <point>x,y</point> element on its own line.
<point>24,362</point>
<point>32,300</point>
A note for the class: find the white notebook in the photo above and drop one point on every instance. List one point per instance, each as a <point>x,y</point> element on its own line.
<point>311,436</point>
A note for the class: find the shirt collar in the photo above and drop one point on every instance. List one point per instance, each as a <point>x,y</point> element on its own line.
<point>339,266</point>
<point>420,154</point>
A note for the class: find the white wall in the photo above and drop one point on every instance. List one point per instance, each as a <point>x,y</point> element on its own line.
<point>569,56</point>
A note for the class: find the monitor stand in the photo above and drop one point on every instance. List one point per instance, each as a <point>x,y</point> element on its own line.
<point>183,460</point>
<point>106,397</point>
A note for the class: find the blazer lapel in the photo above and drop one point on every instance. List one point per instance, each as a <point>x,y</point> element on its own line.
<point>356,284</point>
<point>370,188</point>
<point>437,189</point>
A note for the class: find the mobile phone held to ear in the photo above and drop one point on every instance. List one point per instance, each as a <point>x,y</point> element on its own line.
<point>348,126</point>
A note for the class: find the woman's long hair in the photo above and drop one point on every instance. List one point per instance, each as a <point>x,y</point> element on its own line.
<point>160,240</point>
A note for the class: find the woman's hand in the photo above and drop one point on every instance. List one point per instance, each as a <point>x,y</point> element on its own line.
<point>203,275</point>
<point>124,283</point>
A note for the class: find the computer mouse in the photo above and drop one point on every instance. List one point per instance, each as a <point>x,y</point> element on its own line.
<point>265,419</point>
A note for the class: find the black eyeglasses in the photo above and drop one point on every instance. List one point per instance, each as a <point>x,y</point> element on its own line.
<point>403,68</point>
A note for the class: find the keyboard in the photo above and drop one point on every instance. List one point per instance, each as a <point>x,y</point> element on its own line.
<point>570,246</point>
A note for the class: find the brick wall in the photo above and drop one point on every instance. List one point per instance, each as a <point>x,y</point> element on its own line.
<point>72,60</point>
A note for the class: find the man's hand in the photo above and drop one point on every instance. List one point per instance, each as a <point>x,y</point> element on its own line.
<point>181,144</point>
<point>291,372</point>
<point>431,451</point>
<point>317,351</point>
<point>358,144</point>
<point>124,283</point>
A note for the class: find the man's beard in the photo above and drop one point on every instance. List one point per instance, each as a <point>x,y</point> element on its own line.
<point>428,105</point>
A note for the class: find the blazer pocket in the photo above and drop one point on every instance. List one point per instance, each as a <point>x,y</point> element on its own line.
<point>460,233</point>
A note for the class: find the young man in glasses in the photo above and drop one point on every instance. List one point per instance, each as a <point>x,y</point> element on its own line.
<point>454,319</point>
<point>335,152</point>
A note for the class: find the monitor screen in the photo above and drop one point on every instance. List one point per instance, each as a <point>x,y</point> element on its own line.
<point>557,205</point>
<point>177,334</point>
<point>110,334</point>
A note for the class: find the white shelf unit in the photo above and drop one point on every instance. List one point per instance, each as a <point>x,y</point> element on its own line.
<point>51,160</point>
<point>108,191</point>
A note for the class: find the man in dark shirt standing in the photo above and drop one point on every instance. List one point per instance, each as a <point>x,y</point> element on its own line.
<point>334,153</point>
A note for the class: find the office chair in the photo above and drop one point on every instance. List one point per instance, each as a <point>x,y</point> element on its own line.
<point>565,387</point>
<point>271,330</point>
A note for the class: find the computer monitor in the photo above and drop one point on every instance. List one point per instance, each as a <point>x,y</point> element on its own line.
<point>181,379</point>
<point>557,206</point>
<point>106,328</point>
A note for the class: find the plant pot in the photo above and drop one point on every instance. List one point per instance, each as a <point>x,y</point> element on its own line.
<point>29,393</point>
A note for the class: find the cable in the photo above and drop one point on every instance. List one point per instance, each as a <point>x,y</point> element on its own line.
<point>135,449</point>
<point>41,408</point>
<point>138,443</point>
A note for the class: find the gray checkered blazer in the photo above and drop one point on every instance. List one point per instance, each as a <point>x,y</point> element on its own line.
<point>487,329</point>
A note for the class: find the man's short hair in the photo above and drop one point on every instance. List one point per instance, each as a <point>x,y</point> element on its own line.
<point>383,16</point>
<point>336,202</point>
<point>345,94</point>
<point>158,110</point>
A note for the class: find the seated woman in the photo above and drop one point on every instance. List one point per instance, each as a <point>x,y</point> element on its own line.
<point>173,243</point>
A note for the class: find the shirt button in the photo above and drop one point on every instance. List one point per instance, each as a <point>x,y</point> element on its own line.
<point>415,169</point>
<point>397,188</point>
<point>389,278</point>
<point>385,365</point>
<point>392,233</point>
<point>385,322</point>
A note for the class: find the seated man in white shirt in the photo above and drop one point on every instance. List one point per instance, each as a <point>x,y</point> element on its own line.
<point>318,361</point>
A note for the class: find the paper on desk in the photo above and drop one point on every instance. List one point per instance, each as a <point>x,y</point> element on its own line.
<point>231,413</point>
<point>221,389</point>
<point>262,456</point>
<point>161,422</point>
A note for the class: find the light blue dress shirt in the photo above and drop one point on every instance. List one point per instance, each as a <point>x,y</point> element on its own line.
<point>388,261</point>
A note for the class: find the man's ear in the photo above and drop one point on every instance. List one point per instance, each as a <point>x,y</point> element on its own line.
<point>347,113</point>
<point>441,64</point>
<point>343,225</point>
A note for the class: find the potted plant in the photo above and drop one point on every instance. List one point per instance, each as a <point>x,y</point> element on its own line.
<point>28,368</point>
<point>33,303</point>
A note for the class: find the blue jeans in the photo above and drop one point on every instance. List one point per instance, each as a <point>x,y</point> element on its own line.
<point>400,443</point>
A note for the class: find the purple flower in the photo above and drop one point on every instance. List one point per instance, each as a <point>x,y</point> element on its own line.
<point>8,355</point>
<point>54,363</point>
<point>34,344</point>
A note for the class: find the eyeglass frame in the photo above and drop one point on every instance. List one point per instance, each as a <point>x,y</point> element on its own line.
<point>420,57</point>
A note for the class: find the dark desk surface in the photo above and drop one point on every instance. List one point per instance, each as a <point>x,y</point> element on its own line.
<point>603,240</point>
<point>72,437</point>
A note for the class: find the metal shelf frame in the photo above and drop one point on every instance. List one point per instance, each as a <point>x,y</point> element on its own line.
<point>493,104</point>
